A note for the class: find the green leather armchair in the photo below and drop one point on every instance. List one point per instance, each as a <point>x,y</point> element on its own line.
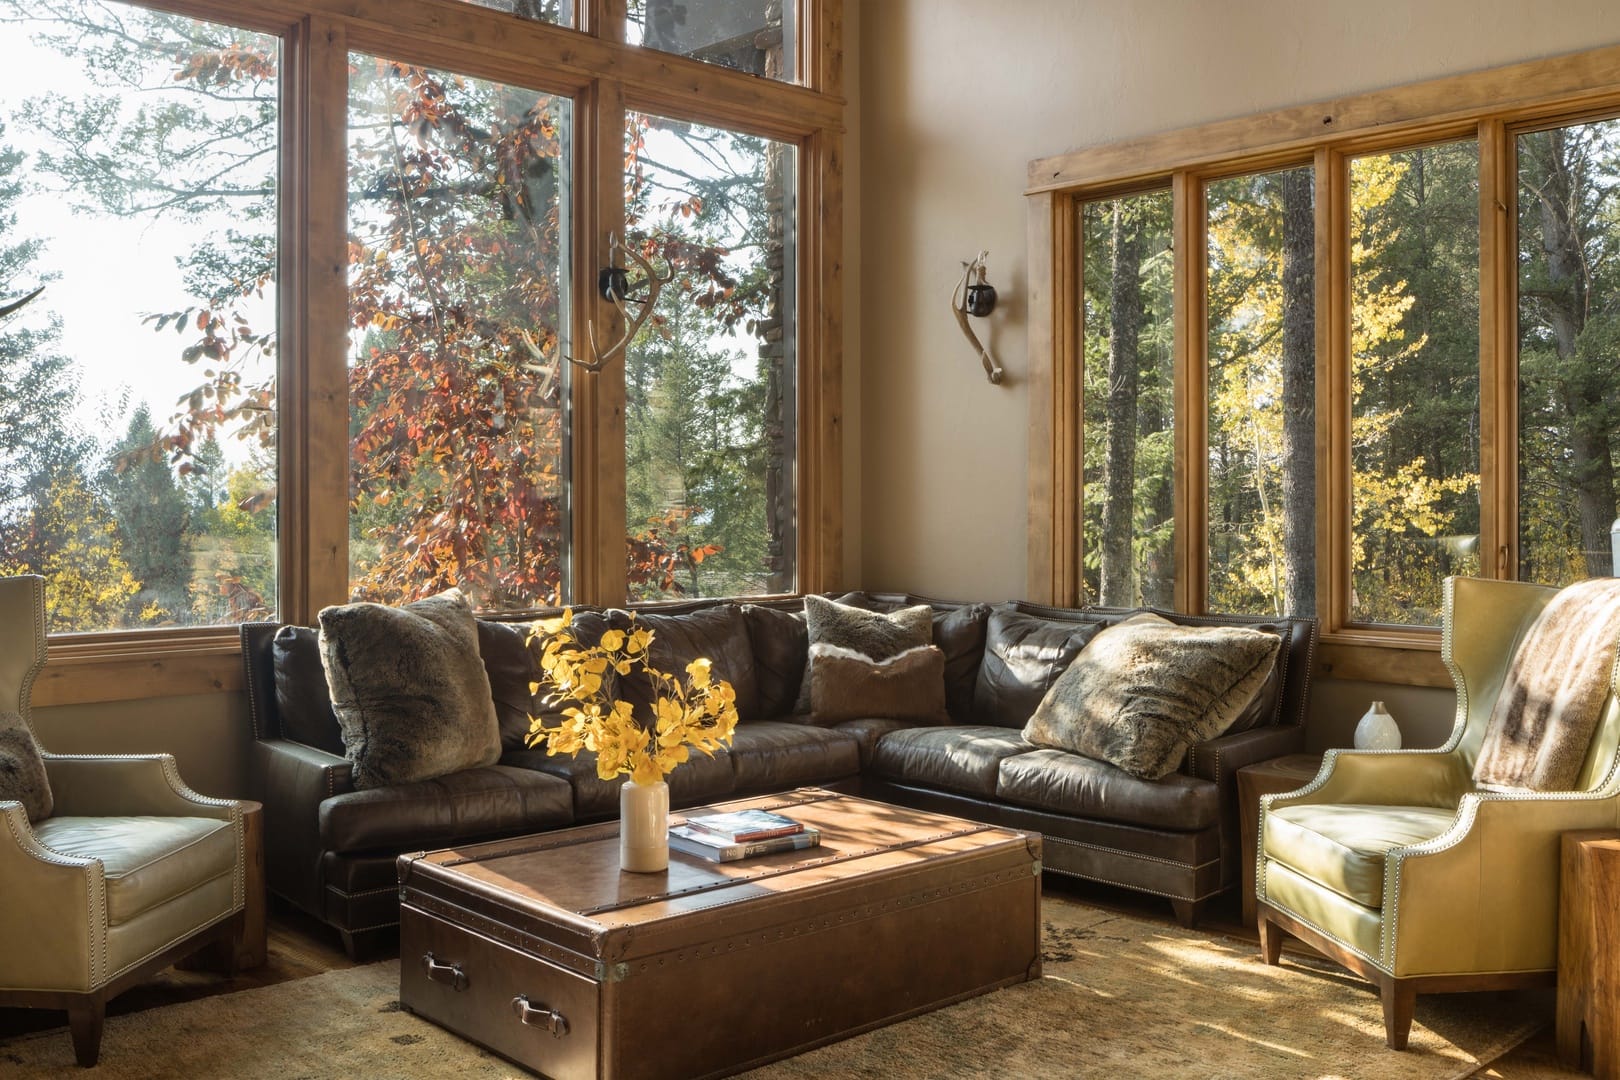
<point>130,872</point>
<point>1397,866</point>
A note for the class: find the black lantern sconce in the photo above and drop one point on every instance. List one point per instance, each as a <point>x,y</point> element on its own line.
<point>977,297</point>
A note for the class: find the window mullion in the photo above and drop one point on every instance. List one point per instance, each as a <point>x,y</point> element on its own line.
<point>1191,414</point>
<point>1498,307</point>
<point>314,423</point>
<point>1333,384</point>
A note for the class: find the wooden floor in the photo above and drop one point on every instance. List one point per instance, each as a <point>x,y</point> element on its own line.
<point>300,946</point>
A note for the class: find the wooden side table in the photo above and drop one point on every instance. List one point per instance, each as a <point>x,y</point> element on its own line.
<point>1265,778</point>
<point>1588,1029</point>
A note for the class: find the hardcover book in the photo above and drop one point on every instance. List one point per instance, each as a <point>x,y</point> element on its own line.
<point>742,826</point>
<point>706,845</point>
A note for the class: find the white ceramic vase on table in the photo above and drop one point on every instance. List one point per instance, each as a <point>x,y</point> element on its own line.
<point>644,827</point>
<point>1377,730</point>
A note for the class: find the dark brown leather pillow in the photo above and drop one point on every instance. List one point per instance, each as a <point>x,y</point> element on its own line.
<point>844,685</point>
<point>302,700</point>
<point>719,633</point>
<point>513,665</point>
<point>781,643</point>
<point>1023,656</point>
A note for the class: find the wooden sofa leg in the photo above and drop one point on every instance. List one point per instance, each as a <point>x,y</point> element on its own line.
<point>1188,912</point>
<point>85,1021</point>
<point>1271,941</point>
<point>1400,999</point>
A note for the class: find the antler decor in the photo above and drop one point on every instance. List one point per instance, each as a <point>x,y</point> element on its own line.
<point>972,297</point>
<point>614,287</point>
<point>10,306</point>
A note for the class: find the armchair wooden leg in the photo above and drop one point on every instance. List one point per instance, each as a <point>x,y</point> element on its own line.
<point>85,1021</point>
<point>1271,941</point>
<point>1188,912</point>
<point>1400,998</point>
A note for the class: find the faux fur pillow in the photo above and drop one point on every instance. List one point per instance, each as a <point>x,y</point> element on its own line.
<point>1146,689</point>
<point>874,634</point>
<point>22,770</point>
<point>409,689</point>
<point>1549,707</point>
<point>845,685</point>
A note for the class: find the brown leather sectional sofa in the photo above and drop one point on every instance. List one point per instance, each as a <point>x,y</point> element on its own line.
<point>330,849</point>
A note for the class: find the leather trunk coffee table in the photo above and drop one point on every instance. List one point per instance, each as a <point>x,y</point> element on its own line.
<point>541,949</point>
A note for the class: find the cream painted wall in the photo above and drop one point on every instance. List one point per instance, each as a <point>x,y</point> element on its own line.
<point>958,95</point>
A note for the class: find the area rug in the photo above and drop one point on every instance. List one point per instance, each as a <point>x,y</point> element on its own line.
<point>1119,997</point>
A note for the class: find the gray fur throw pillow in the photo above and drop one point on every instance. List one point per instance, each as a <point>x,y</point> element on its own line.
<point>409,689</point>
<point>848,686</point>
<point>874,634</point>
<point>22,770</point>
<point>1146,689</point>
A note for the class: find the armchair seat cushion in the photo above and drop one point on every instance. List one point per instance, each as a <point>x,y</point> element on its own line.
<point>1342,847</point>
<point>148,861</point>
<point>963,759</point>
<point>1077,786</point>
<point>472,804</point>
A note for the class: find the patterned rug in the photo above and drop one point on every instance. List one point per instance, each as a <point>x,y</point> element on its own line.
<point>1120,997</point>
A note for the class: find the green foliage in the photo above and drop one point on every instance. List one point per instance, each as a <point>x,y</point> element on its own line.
<point>153,522</point>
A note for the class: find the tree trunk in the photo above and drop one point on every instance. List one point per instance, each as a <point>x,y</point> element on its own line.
<point>1118,586</point>
<point>1591,469</point>
<point>1299,393</point>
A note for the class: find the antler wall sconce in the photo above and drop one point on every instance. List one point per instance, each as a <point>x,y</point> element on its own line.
<point>974,296</point>
<point>613,285</point>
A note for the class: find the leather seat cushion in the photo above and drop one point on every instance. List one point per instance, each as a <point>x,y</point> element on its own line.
<point>1342,847</point>
<point>868,730</point>
<point>965,759</point>
<point>149,860</point>
<point>1066,783</point>
<point>699,779</point>
<point>774,755</point>
<point>471,804</point>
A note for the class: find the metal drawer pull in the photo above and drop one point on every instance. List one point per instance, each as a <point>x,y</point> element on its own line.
<point>550,1019</point>
<point>449,974</point>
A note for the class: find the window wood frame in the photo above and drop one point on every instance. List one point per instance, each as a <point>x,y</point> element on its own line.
<point>1492,105</point>
<point>604,77</point>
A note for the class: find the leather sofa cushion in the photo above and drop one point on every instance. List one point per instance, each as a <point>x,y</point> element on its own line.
<point>1023,656</point>
<point>1342,847</point>
<point>719,632</point>
<point>513,665</point>
<point>699,779</point>
<point>472,804</point>
<point>1065,783</point>
<point>965,759</point>
<point>780,643</point>
<point>148,860</point>
<point>302,700</point>
<point>775,755</point>
<point>867,731</point>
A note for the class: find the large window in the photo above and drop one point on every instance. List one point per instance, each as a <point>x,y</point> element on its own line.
<point>458,294</point>
<point>1129,519</point>
<point>323,320</point>
<point>1569,341</point>
<point>1392,342</point>
<point>1414,379</point>
<point>709,380</point>
<point>1262,393</point>
<point>137,390</point>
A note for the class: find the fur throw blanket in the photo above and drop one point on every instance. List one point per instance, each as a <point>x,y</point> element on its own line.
<point>1555,692</point>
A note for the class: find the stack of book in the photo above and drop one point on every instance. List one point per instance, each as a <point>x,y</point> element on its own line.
<point>740,834</point>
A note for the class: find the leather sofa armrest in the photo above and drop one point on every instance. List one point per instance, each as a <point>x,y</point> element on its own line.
<point>1220,758</point>
<point>47,933</point>
<point>292,780</point>
<point>127,785</point>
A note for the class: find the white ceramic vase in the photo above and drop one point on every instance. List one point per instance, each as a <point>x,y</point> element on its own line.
<point>1377,730</point>
<point>644,827</point>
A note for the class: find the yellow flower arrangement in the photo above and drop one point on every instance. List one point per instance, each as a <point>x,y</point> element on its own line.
<point>700,712</point>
